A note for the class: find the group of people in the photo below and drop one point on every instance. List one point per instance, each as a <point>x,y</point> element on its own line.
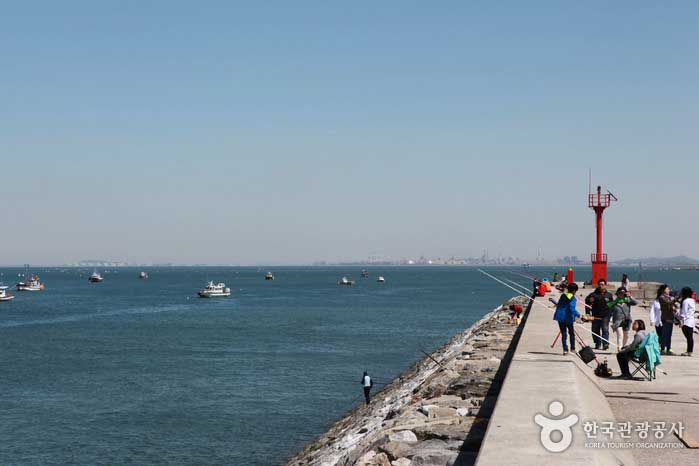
<point>609,310</point>
<point>667,311</point>
<point>614,311</point>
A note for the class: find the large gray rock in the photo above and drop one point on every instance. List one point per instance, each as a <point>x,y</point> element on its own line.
<point>371,458</point>
<point>396,450</point>
<point>440,412</point>
<point>381,460</point>
<point>366,459</point>
<point>434,457</point>
<point>407,436</point>
<point>425,409</point>
<point>440,432</point>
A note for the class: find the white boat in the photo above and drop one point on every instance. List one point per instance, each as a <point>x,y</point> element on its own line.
<point>214,291</point>
<point>143,275</point>
<point>345,281</point>
<point>3,294</point>
<point>269,276</point>
<point>33,284</point>
<point>381,280</point>
<point>95,277</point>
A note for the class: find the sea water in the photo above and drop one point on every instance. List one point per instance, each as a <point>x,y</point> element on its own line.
<point>133,371</point>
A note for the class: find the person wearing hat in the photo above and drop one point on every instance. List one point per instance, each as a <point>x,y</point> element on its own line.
<point>621,315</point>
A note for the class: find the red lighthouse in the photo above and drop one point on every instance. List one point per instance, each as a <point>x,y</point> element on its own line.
<point>598,202</point>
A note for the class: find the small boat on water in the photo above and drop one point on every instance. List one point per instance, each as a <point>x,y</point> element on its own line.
<point>214,291</point>
<point>4,296</point>
<point>143,275</point>
<point>33,284</point>
<point>345,281</point>
<point>269,276</point>
<point>381,280</point>
<point>365,273</point>
<point>95,277</point>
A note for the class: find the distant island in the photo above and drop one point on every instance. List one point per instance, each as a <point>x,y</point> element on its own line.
<point>675,261</point>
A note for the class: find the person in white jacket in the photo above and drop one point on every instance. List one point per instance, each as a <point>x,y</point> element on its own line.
<point>687,317</point>
<point>654,316</point>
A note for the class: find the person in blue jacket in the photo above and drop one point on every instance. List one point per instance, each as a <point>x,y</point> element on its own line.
<point>565,315</point>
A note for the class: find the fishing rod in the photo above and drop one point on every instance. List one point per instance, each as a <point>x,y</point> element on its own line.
<point>543,305</point>
<point>518,285</point>
<point>523,275</point>
<point>509,286</point>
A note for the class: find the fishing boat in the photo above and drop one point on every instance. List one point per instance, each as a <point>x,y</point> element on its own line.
<point>33,284</point>
<point>95,277</point>
<point>345,281</point>
<point>214,291</point>
<point>4,296</point>
<point>365,273</point>
<point>143,275</point>
<point>269,276</point>
<point>381,280</point>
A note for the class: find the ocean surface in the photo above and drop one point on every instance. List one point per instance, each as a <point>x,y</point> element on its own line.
<point>142,372</point>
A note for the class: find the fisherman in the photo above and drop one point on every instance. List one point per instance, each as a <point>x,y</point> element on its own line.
<point>627,352</point>
<point>621,315</point>
<point>555,277</point>
<point>565,315</point>
<point>667,319</point>
<point>516,311</point>
<point>536,284</point>
<point>367,383</point>
<point>599,301</point>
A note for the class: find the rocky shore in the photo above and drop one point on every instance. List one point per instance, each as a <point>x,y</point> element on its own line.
<point>435,413</point>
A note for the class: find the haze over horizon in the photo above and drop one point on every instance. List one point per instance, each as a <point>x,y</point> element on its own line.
<point>286,134</point>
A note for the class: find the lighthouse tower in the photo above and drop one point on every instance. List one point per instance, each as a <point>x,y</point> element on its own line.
<point>598,202</point>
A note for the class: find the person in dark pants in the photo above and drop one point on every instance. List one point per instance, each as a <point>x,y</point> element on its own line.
<point>667,319</point>
<point>565,315</point>
<point>599,301</point>
<point>627,351</point>
<point>367,383</point>
<point>687,310</point>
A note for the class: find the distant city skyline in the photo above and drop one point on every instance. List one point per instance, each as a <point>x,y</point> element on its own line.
<point>280,133</point>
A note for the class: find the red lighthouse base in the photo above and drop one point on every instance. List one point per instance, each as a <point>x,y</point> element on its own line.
<point>599,271</point>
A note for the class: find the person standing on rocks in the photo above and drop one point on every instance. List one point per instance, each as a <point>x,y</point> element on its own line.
<point>599,301</point>
<point>367,383</point>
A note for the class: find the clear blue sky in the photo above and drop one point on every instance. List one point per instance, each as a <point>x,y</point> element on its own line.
<point>230,132</point>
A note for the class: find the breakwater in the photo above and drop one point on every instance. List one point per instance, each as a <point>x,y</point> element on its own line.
<point>436,412</point>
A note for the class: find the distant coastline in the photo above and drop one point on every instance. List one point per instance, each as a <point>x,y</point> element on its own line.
<point>681,262</point>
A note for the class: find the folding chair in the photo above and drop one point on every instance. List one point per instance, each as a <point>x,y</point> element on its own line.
<point>639,365</point>
<point>646,357</point>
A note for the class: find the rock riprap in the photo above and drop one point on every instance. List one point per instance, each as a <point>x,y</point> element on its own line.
<point>434,414</point>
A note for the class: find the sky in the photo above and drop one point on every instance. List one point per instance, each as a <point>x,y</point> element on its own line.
<point>291,132</point>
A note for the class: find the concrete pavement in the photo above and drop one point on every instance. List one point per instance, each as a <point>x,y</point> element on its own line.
<point>540,375</point>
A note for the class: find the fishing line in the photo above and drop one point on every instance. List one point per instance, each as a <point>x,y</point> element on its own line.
<point>543,305</point>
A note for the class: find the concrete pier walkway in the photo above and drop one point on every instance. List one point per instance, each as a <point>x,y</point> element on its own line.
<point>540,375</point>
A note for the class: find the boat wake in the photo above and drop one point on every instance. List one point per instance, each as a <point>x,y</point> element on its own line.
<point>94,315</point>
